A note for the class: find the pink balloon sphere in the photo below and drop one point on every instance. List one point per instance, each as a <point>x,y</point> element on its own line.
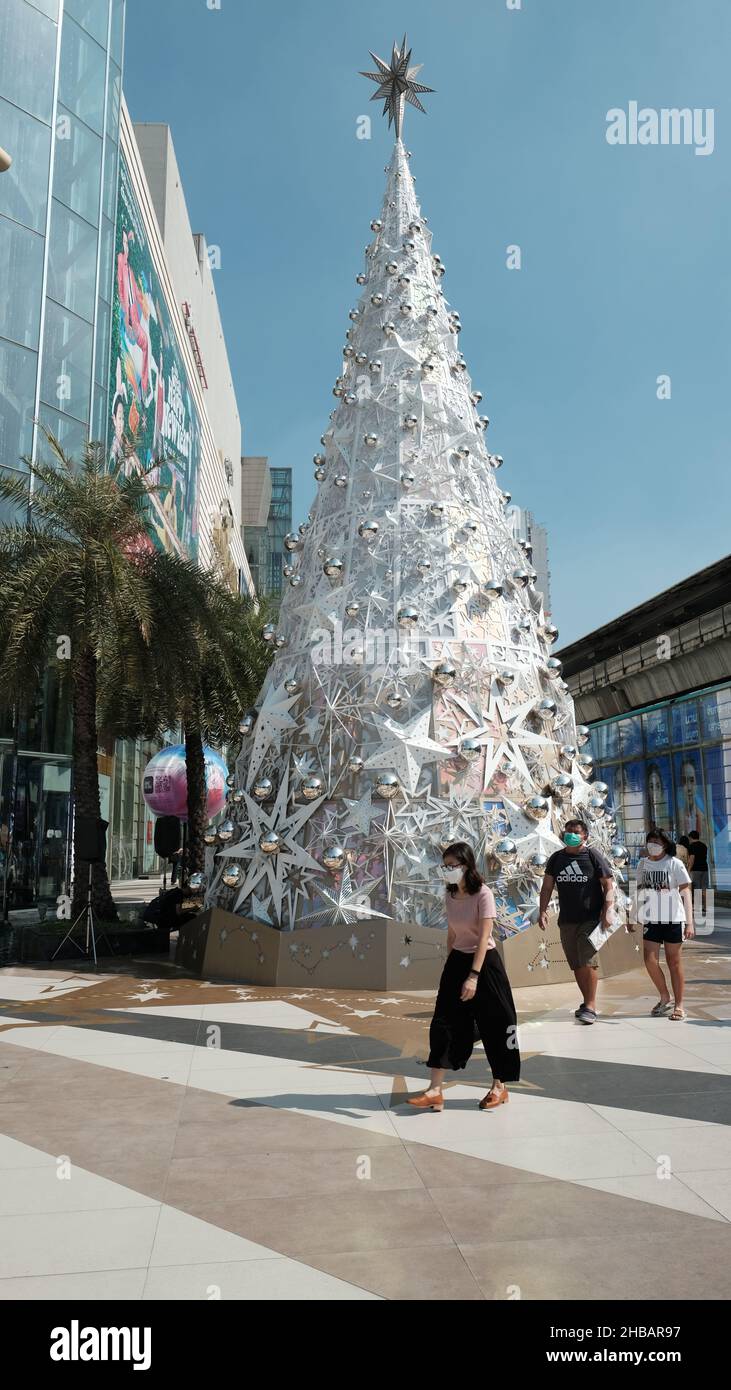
<point>165,784</point>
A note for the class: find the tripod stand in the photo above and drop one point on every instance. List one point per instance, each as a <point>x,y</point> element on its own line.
<point>91,936</point>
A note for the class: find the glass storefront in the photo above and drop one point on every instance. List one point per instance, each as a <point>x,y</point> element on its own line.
<point>670,765</point>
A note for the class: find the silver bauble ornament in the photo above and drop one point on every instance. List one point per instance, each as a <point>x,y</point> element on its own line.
<point>583,734</point>
<point>333,567</point>
<point>423,565</point>
<point>368,530</point>
<point>341,480</point>
<point>311,788</point>
<point>270,843</point>
<point>562,786</point>
<point>269,632</point>
<point>375,366</point>
<point>391,268</point>
<point>407,616</point>
<point>410,422</point>
<point>537,864</point>
<point>196,883</point>
<point>596,806</point>
<point>600,789</point>
<point>287,571</point>
<point>377,299</point>
<point>520,577</point>
<point>568,752</point>
<point>292,542</point>
<point>506,851</point>
<point>226,831</point>
<point>407,480</point>
<point>262,789</point>
<point>292,686</point>
<point>210,835</point>
<point>247,722</point>
<point>554,667</point>
<point>370,440</point>
<point>389,329</point>
<point>387,785</point>
<point>350,398</point>
<point>376,224</point>
<point>586,763</point>
<point>505,678</point>
<point>476,397</point>
<point>355,764</point>
<point>469,749</point>
<point>361,358</point>
<point>492,590</point>
<point>334,858</point>
<point>352,609</point>
<point>320,476</point>
<point>394,700</point>
<point>232,875</point>
<point>619,853</point>
<point>495,460</point>
<point>546,710</point>
<point>444,674</point>
<point>436,509</point>
<point>536,807</point>
<point>280,641</point>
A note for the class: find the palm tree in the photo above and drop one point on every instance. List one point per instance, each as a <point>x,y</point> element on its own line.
<point>205,664</point>
<point>77,570</point>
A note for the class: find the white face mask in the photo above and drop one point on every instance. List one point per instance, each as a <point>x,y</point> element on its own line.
<point>656,851</point>
<point>454,875</point>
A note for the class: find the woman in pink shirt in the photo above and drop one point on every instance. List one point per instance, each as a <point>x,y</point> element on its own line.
<point>474,991</point>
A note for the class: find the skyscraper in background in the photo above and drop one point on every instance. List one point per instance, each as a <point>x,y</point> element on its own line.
<point>279,523</point>
<point>534,537</point>
<point>266,517</point>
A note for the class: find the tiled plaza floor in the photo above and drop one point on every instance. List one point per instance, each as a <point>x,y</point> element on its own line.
<point>165,1138</point>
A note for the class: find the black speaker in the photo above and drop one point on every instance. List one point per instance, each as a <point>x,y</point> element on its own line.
<point>91,839</point>
<point>167,836</point>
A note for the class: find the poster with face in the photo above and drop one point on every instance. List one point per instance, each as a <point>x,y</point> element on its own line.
<point>659,788</point>
<point>151,400</point>
<point>718,783</point>
<point>690,809</point>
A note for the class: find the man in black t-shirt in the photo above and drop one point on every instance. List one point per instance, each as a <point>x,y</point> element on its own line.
<point>585,885</point>
<point>698,864</point>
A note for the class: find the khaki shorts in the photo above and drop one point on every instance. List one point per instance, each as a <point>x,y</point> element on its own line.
<point>577,947</point>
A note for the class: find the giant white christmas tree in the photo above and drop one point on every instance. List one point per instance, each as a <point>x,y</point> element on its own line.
<point>413,699</point>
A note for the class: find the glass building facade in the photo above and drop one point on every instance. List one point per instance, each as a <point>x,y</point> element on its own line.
<point>60,95</point>
<point>265,544</point>
<point>670,765</point>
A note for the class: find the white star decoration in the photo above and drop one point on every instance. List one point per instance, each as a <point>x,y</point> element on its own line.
<point>406,748</point>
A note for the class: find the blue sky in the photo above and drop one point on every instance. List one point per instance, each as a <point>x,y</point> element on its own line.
<point>625,271</point>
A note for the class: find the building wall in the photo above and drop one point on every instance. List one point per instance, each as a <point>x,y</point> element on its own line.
<point>187,256</point>
<point>60,92</point>
<point>218,502</point>
<point>525,528</point>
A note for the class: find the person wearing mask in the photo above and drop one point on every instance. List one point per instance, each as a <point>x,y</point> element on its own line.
<point>585,885</point>
<point>665,912</point>
<point>474,991</point>
<point>698,867</point>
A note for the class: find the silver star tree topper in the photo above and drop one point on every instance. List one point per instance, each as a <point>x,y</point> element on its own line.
<point>396,85</point>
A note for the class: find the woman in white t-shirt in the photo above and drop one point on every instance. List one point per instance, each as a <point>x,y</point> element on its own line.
<point>665,912</point>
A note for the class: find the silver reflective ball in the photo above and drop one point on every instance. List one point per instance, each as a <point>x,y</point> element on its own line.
<point>370,440</point>
<point>469,749</point>
<point>368,530</point>
<point>269,632</point>
<point>320,476</point>
<point>520,577</point>
<point>376,224</point>
<point>586,763</point>
<point>375,366</point>
<point>280,641</point>
<point>423,565</point>
<point>355,764</point>
<point>288,571</point>
<point>394,700</point>
<point>233,875</point>
<point>352,609</point>
<point>409,245</point>
<point>414,228</point>
<point>536,807</point>
<point>562,786</point>
<point>407,480</point>
<point>506,851</point>
<point>436,509</point>
<point>460,585</point>
<point>341,480</point>
<point>583,734</point>
<point>495,460</point>
<point>407,616</point>
<point>549,632</point>
<point>334,858</point>
<point>387,785</point>
<point>600,789</point>
<point>296,581</point>
<point>554,667</point>
<point>546,710</point>
<point>492,589</point>
<point>410,422</point>
<point>389,329</point>
<point>537,864</point>
<point>444,674</point>
<point>391,268</point>
<point>311,788</point>
<point>209,835</point>
<point>292,542</point>
<point>505,678</point>
<point>596,806</point>
<point>354,315</point>
<point>333,567</point>
<point>619,853</point>
<point>476,397</point>
<point>568,752</point>
<point>262,789</point>
<point>377,299</point>
<point>226,831</point>
<point>350,398</point>
<point>196,883</point>
<point>270,843</point>
<point>361,358</point>
<point>406,309</point>
<point>404,281</point>
<point>471,527</point>
<point>292,686</point>
<point>247,722</point>
<point>237,797</point>
<point>360,279</point>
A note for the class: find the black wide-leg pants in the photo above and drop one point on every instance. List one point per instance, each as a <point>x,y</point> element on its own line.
<point>491,1014</point>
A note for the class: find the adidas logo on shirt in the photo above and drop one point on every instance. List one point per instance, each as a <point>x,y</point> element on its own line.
<point>573,873</point>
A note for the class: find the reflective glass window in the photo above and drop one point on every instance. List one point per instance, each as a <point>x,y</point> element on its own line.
<point>66,371</point>
<point>71,435</point>
<point>114,101</point>
<point>92,15</point>
<point>27,58</point>
<point>77,169</point>
<point>21,258</point>
<point>103,330</point>
<point>106,258</point>
<point>24,186</point>
<point>72,261</point>
<point>17,391</point>
<point>83,71</point>
<point>13,513</point>
<point>109,198</point>
<point>117,30</point>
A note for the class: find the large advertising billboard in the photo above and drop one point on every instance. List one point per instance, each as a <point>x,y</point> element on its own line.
<point>151,400</point>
